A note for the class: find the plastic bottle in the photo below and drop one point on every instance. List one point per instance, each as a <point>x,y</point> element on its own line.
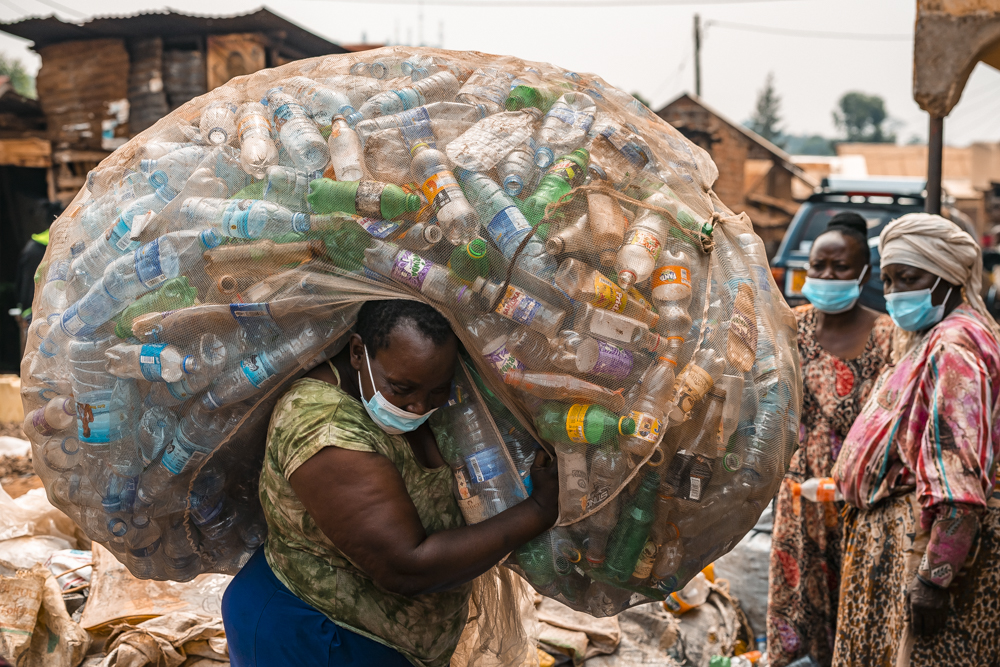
<point>142,541</point>
<point>583,283</point>
<point>650,407</point>
<point>574,479</point>
<point>469,261</point>
<point>694,594</point>
<point>517,170</point>
<point>643,241</point>
<point>541,97</point>
<point>695,380</point>
<point>218,123</point>
<point>703,447</point>
<point>629,537</point>
<point>257,370</point>
<point>412,270</point>
<point>507,226</point>
<point>365,198</point>
<point>455,215</point>
<point>319,101</point>
<point>488,86</point>
<point>607,470</point>
<point>171,295</point>
<point>180,559</point>
<point>562,176</point>
<point>214,515</point>
<point>257,149</point>
<point>154,362</point>
<point>241,218</point>
<point>617,328</point>
<point>345,151</point>
<point>564,128</point>
<point>55,416</point>
<point>177,165</point>
<point>422,115</point>
<point>671,281</point>
<point>538,562</point>
<point>580,238</point>
<point>420,237</point>
<point>599,358</point>
<point>581,423</point>
<point>617,153</point>
<point>297,132</point>
<point>155,430</point>
<point>98,214</point>
<point>487,142</point>
<point>557,386</point>
<point>489,334</point>
<point>438,87</point>
<point>287,187</point>
<point>490,475</point>
<point>816,489</point>
<point>518,306</point>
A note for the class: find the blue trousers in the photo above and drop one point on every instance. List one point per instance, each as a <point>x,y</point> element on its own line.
<point>269,626</point>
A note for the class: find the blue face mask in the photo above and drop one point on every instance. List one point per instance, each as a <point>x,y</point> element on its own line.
<point>833,296</point>
<point>390,419</point>
<point>913,311</point>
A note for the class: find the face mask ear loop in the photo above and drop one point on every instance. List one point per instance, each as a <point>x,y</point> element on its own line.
<point>863,272</point>
<point>361,387</point>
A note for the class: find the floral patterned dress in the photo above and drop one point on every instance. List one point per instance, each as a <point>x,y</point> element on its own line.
<point>806,553</point>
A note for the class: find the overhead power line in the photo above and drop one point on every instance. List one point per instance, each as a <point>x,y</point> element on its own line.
<point>817,34</point>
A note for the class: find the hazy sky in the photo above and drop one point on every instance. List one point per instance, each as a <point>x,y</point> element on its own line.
<point>645,49</point>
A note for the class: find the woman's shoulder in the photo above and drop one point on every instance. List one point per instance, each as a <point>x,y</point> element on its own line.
<point>966,329</point>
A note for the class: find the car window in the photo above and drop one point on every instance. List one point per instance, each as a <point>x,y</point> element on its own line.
<point>819,214</point>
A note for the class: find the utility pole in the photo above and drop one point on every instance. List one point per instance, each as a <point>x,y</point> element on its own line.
<point>697,55</point>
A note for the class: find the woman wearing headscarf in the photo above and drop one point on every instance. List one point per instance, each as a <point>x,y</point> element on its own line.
<point>921,563</point>
<point>843,347</point>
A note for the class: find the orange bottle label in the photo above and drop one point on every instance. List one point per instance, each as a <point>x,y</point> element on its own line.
<point>827,491</point>
<point>671,275</point>
<point>608,295</point>
<point>437,184</point>
<point>643,238</point>
<point>647,427</point>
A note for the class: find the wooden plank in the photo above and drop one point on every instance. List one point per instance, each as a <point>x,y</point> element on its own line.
<point>30,152</point>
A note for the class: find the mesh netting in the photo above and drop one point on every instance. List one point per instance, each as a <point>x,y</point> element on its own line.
<point>612,311</point>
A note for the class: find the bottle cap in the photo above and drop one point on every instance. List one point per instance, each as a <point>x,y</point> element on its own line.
<point>476,248</point>
<point>626,426</point>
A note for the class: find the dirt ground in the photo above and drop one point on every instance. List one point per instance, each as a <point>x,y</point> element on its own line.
<point>17,476</point>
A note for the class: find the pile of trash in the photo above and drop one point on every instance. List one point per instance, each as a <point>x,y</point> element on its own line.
<point>612,310</point>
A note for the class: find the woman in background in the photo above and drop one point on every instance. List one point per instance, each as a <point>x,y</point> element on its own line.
<point>843,347</point>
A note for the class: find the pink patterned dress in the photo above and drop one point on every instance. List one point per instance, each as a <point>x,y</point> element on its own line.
<point>805,552</point>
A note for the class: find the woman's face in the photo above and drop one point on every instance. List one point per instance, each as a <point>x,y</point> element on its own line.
<point>834,256</point>
<point>412,373</point>
<point>906,278</point>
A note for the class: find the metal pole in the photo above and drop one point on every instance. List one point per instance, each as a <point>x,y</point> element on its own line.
<point>935,153</point>
<point>697,55</point>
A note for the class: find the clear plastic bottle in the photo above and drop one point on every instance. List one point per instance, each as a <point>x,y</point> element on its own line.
<point>241,218</point>
<point>54,298</point>
<point>517,171</point>
<point>618,328</point>
<point>98,214</point>
<point>564,128</point>
<point>257,370</point>
<point>489,333</point>
<point>214,514</point>
<point>815,489</point>
<point>177,165</point>
<point>218,123</point>
<point>180,559</point>
<point>608,468</point>
<point>56,416</point>
<point>507,226</point>
<point>584,283</point>
<point>287,187</point>
<point>321,102</point>
<point>518,306</point>
<point>156,429</point>
<point>455,215</point>
<point>597,357</point>
<point>257,149</point>
<point>345,151</point>
<point>298,133</point>
<point>142,541</point>
<point>694,594</point>
<point>649,409</point>
<point>156,362</point>
<point>487,142</point>
<point>407,268</point>
<point>695,381</point>
<point>643,242</point>
<point>422,115</point>
<point>618,154</point>
<point>438,87</point>
<point>488,86</point>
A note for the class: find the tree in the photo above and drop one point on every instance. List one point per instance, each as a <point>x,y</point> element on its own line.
<point>766,117</point>
<point>22,82</point>
<point>862,118</point>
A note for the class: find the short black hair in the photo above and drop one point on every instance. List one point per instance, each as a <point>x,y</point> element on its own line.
<point>378,319</point>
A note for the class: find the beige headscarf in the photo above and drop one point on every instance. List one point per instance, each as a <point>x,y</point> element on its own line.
<point>937,245</point>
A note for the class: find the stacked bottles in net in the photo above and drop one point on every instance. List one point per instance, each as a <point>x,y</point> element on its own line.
<point>611,310</point>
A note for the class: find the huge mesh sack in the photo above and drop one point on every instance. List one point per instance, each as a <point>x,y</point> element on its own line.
<point>613,311</point>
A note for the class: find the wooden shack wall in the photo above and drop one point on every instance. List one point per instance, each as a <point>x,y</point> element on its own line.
<point>76,84</point>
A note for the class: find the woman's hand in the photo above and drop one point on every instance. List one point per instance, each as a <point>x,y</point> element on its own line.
<point>928,608</point>
<point>545,486</point>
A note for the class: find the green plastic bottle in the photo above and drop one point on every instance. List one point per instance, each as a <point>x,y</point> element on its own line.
<point>566,173</point>
<point>540,97</point>
<point>581,423</point>
<point>346,246</point>
<point>469,261</point>
<point>630,535</point>
<point>370,199</point>
<point>174,294</point>
<point>537,561</point>
<point>253,191</point>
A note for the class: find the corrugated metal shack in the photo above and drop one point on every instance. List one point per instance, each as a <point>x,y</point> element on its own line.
<point>102,82</point>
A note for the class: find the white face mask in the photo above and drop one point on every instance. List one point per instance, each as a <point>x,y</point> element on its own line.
<point>390,419</point>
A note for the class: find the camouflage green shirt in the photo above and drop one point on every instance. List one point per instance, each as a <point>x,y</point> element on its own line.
<point>314,415</point>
